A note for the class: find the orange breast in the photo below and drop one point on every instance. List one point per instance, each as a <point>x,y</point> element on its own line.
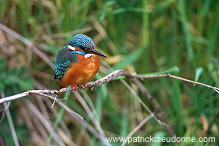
<point>81,72</point>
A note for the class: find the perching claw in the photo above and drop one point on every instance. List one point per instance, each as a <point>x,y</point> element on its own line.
<point>84,86</point>
<point>74,87</point>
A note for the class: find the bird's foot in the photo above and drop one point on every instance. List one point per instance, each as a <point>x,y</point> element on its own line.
<point>84,86</point>
<point>74,87</point>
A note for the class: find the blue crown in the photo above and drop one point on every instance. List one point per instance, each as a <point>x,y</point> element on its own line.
<point>82,41</point>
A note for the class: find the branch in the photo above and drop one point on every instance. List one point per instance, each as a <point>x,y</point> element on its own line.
<point>47,93</point>
<point>99,82</point>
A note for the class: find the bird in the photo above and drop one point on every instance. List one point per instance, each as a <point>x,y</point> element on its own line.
<point>78,62</point>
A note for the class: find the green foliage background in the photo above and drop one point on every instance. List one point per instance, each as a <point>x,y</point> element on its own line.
<point>147,36</point>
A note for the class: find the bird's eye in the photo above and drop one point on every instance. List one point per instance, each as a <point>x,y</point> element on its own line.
<point>87,49</point>
<point>83,48</point>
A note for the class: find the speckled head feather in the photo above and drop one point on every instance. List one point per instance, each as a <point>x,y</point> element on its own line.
<point>82,41</point>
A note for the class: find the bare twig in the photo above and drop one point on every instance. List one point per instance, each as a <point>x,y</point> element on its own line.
<point>77,116</point>
<point>54,111</point>
<point>101,81</point>
<point>111,76</point>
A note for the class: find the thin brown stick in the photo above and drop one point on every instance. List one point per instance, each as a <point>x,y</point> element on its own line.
<point>101,81</point>
<point>77,116</point>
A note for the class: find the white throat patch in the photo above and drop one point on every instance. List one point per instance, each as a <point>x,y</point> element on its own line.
<point>88,55</point>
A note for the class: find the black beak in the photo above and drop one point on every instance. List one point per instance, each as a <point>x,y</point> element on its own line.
<point>97,52</point>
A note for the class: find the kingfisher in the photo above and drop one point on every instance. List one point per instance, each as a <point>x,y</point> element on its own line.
<point>78,62</point>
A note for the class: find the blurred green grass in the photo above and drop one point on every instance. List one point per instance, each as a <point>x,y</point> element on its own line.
<point>139,36</point>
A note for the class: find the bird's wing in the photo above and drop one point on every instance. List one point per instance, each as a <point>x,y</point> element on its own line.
<point>63,60</point>
<point>60,69</point>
